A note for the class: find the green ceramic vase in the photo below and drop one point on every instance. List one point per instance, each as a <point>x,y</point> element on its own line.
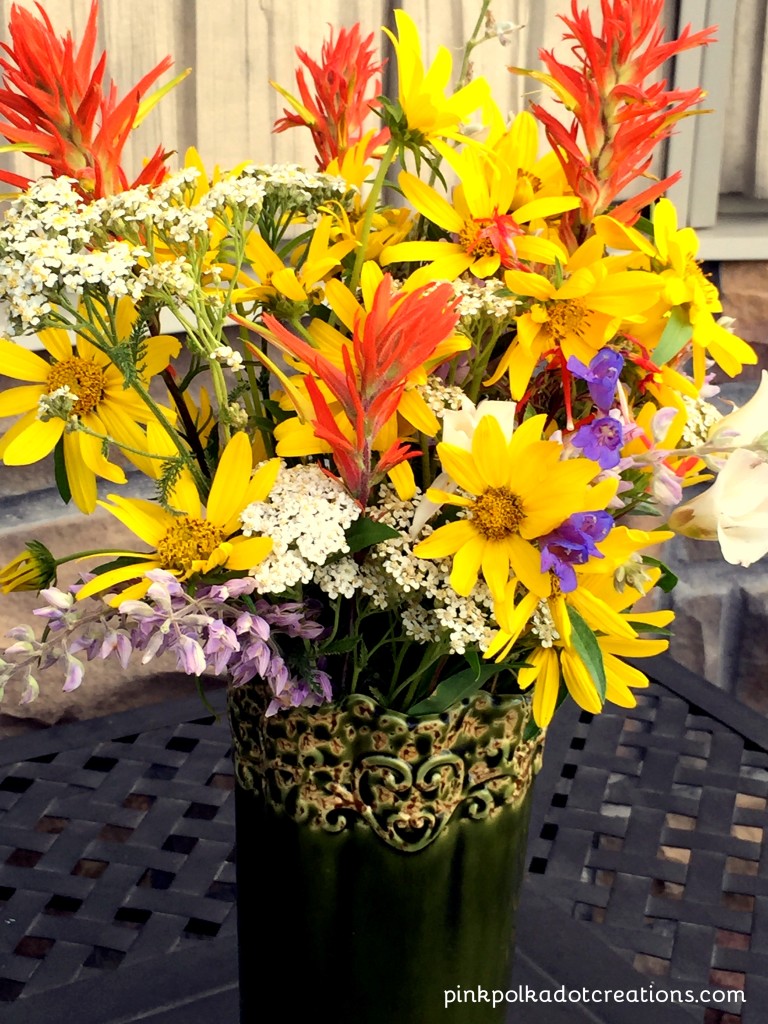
<point>379,858</point>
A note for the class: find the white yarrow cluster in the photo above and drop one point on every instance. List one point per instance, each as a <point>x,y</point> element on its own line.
<point>543,625</point>
<point>307,515</point>
<point>297,190</point>
<point>484,301</point>
<point>701,417</point>
<point>440,397</point>
<point>430,608</point>
<point>227,356</point>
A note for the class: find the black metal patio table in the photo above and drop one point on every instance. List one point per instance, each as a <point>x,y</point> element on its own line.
<point>648,865</point>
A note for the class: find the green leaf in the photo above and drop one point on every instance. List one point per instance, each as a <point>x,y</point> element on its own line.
<point>648,627</point>
<point>456,687</point>
<point>118,563</point>
<point>364,533</point>
<point>60,472</point>
<point>347,643</point>
<point>667,581</point>
<point>587,648</point>
<point>676,336</point>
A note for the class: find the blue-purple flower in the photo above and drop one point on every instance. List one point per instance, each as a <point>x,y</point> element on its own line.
<point>602,375</point>
<point>574,543</point>
<point>601,440</point>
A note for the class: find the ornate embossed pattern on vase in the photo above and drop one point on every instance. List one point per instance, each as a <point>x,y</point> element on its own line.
<point>355,763</point>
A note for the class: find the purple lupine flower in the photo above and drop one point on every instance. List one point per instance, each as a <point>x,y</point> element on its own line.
<point>601,440</point>
<point>602,375</point>
<point>222,643</point>
<point>74,675</point>
<point>573,543</point>
<point>189,655</point>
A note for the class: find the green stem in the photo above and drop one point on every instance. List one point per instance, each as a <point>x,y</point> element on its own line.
<point>426,462</point>
<point>157,412</point>
<point>370,210</point>
<point>479,368</point>
<point>86,554</point>
<point>432,653</point>
<point>471,43</point>
<point>82,429</point>
<point>186,419</point>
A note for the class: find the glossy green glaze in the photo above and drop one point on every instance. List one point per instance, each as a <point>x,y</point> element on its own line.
<point>369,915</point>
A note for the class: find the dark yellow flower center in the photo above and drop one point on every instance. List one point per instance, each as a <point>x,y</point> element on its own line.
<point>497,513</point>
<point>475,241</point>
<point>566,317</point>
<point>84,379</point>
<point>187,541</point>
<point>554,579</point>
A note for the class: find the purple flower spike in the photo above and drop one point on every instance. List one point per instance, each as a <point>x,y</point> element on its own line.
<point>573,543</point>
<point>601,440</point>
<point>602,375</point>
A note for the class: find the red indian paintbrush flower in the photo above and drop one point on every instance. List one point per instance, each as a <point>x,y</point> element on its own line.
<point>59,109</point>
<point>622,116</point>
<point>399,333</point>
<point>346,87</point>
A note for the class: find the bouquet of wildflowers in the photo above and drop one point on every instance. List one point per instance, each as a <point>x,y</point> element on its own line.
<point>399,442</point>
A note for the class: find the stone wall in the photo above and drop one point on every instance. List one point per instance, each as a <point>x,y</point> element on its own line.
<point>721,625</point>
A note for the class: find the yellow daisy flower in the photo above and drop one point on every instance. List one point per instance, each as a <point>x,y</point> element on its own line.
<point>673,253</point>
<point>277,281</point>
<point>619,553</point>
<point>490,233</point>
<point>429,113</point>
<point>547,665</point>
<point>521,489</point>
<point>389,224</point>
<point>577,316</point>
<point>193,541</point>
<point>104,405</point>
<point>516,148</point>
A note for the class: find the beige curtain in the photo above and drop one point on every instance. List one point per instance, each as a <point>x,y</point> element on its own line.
<point>745,157</point>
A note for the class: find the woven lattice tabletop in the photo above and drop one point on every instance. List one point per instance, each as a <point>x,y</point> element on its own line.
<point>116,855</point>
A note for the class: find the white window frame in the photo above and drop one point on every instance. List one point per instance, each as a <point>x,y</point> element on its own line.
<point>729,227</point>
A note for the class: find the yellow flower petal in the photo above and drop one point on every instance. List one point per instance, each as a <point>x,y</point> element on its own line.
<point>547,207</point>
<point>231,480</point>
<point>285,281</point>
<point>148,521</point>
<point>487,442</point>
<point>343,303</point>
<point>21,364</point>
<point>88,450</point>
<point>184,496</point>
<point>522,283</point>
<point>495,567</point>
<point>580,684</point>
<point>38,440</point>
<point>466,565</point>
<point>459,464</point>
<point>429,203</point>
<point>403,481</point>
<point>21,399</point>
<point>113,577</point>
<point>247,552</point>
<point>413,408</point>
<point>57,342</point>
<point>526,565</point>
<point>547,686</point>
<point>446,540</point>
<point>82,482</point>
